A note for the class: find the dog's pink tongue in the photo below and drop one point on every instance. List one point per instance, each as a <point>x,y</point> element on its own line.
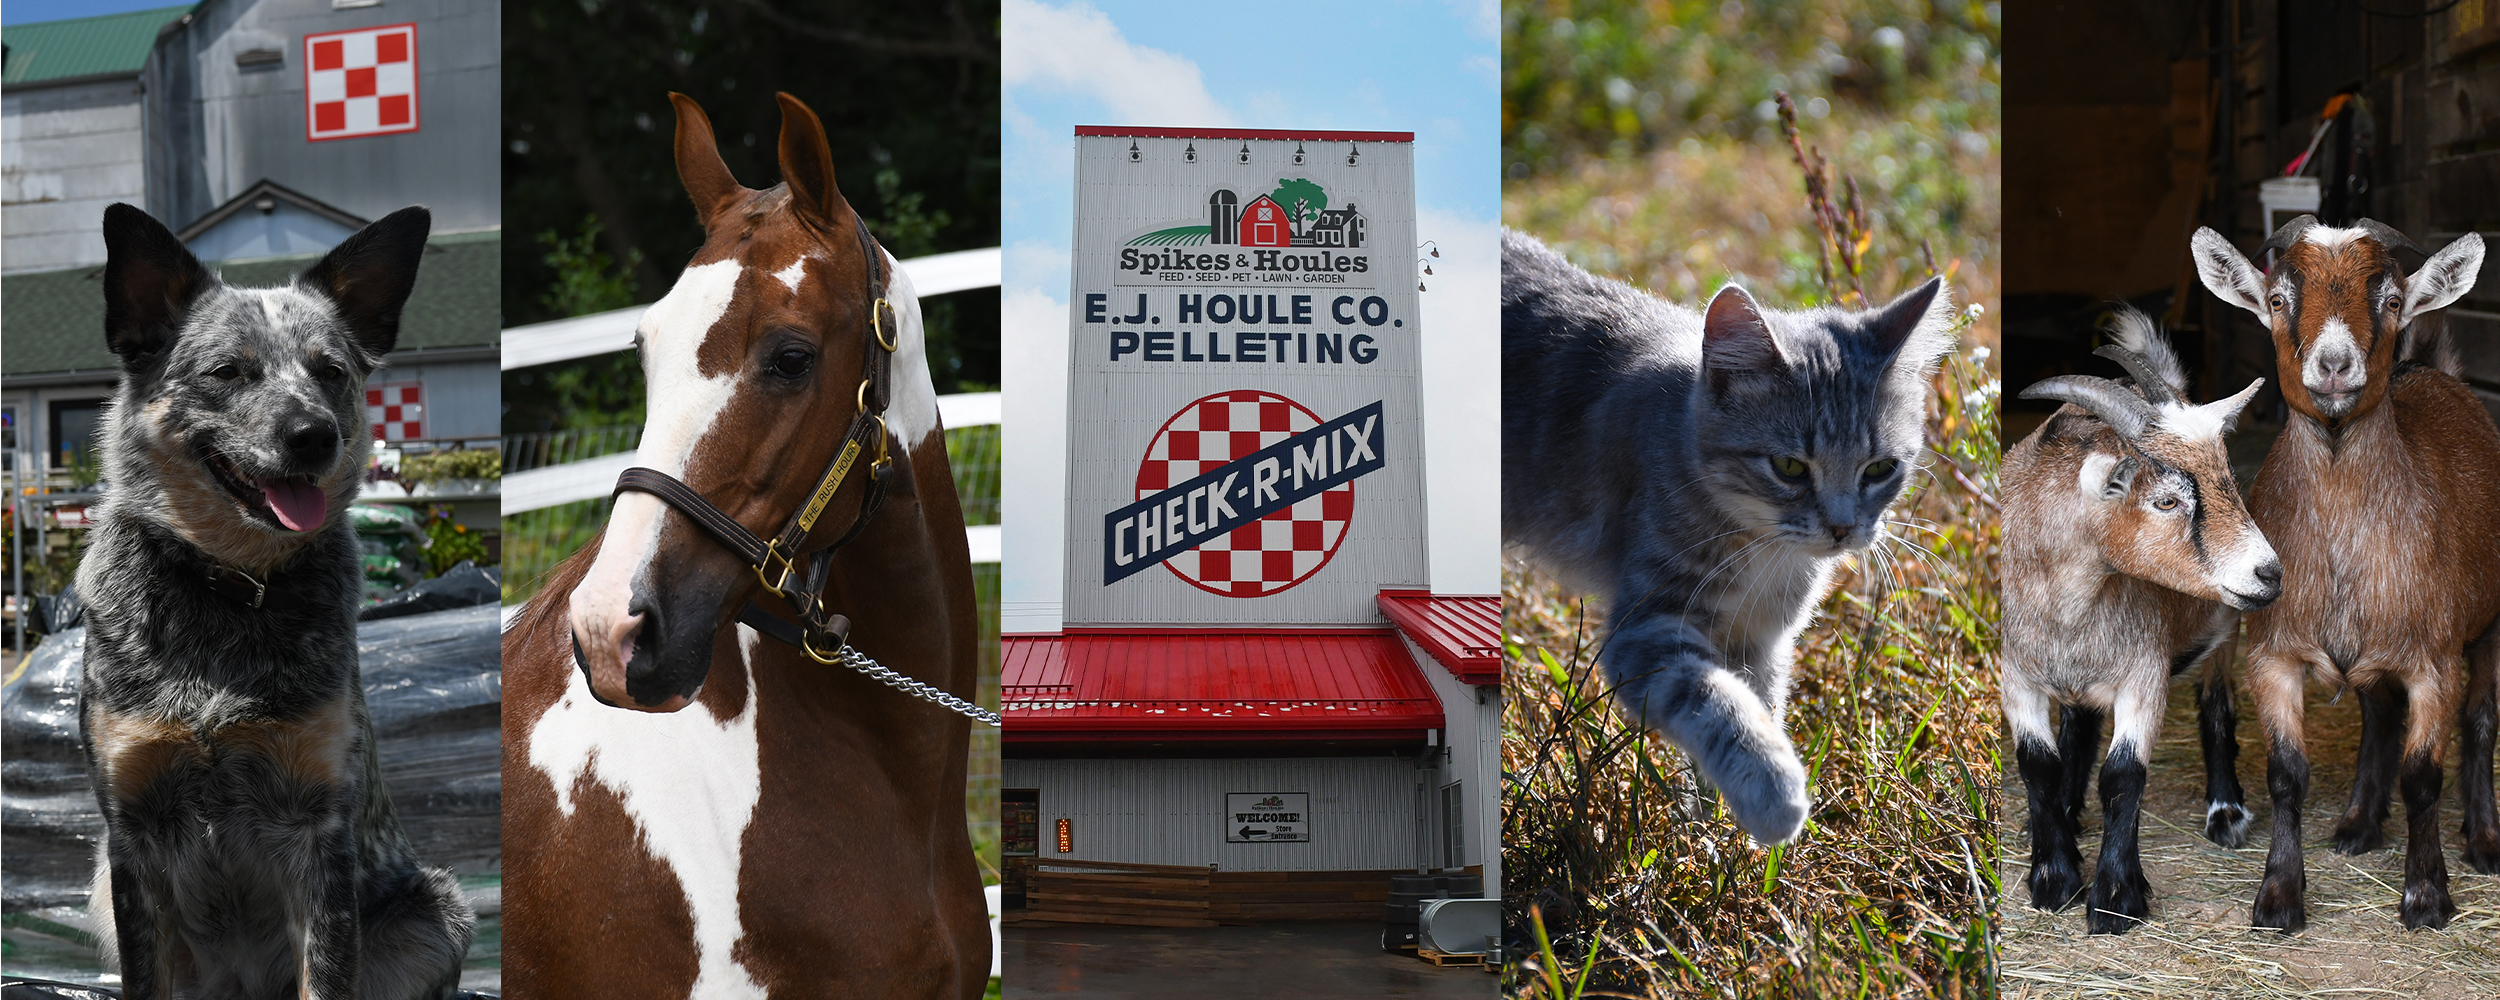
<point>299,504</point>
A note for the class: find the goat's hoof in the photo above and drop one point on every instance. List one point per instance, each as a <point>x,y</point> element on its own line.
<point>2426,905</point>
<point>2055,886</point>
<point>2280,907</point>
<point>2116,909</point>
<point>2226,824</point>
<point>2358,835</point>
<point>2483,853</point>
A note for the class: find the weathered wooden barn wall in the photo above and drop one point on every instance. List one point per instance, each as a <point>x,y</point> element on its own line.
<point>2129,125</point>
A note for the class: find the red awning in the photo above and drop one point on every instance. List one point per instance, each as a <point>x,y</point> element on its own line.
<point>1463,634</point>
<point>1213,685</point>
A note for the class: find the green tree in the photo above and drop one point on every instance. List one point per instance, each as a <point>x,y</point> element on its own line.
<point>1302,200</point>
<point>587,279</point>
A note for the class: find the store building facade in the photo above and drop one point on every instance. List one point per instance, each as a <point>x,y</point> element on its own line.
<point>1253,679</point>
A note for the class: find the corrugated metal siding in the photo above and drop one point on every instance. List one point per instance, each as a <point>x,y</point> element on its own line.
<point>216,128</point>
<point>1171,812</point>
<point>1115,408</point>
<point>70,150</point>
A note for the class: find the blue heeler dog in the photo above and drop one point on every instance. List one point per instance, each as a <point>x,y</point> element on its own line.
<point>251,850</point>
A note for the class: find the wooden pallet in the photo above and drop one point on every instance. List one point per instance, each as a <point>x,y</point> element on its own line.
<point>1445,960</point>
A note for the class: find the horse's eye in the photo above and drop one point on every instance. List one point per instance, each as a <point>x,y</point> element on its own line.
<point>792,362</point>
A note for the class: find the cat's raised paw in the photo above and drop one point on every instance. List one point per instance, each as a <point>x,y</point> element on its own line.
<point>1771,802</point>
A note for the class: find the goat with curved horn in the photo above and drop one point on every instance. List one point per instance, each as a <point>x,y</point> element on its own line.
<point>2290,233</point>
<point>2388,236</point>
<point>2116,405</point>
<point>2156,389</point>
<point>2128,558</point>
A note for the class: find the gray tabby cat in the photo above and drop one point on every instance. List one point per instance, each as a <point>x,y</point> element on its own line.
<point>1704,472</point>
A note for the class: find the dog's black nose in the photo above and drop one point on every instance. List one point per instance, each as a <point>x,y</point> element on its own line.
<point>311,440</point>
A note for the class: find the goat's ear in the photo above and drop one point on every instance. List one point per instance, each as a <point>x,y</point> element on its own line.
<point>370,275</point>
<point>2445,277</point>
<point>1734,338</point>
<point>1916,328</point>
<point>2228,275</point>
<point>2225,413</point>
<point>2106,476</point>
<point>150,281</point>
<point>699,166</point>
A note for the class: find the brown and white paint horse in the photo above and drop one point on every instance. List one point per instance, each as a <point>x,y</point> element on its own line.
<point>765,825</point>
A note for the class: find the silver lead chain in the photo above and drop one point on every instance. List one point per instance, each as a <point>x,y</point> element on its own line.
<point>853,659</point>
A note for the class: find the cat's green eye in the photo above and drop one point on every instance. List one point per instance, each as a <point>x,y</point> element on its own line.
<point>1880,468</point>
<point>1789,466</point>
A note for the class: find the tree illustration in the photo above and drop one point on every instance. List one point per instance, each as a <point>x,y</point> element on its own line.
<point>1302,200</point>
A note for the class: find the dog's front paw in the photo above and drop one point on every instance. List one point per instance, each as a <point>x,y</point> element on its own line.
<point>1768,798</point>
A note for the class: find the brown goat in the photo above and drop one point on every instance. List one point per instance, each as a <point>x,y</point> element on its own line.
<point>2382,497</point>
<point>2128,558</point>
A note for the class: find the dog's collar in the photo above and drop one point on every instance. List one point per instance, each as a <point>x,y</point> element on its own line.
<point>244,588</point>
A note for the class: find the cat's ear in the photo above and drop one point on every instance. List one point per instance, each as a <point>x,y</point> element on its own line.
<point>1916,328</point>
<point>1735,339</point>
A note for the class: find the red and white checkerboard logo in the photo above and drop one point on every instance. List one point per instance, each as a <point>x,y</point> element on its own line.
<point>1266,556</point>
<point>361,82</point>
<point>396,410</point>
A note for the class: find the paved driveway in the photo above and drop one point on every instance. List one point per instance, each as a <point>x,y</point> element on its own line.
<point>1320,960</point>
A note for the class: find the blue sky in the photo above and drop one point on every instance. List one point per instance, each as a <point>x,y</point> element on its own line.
<point>35,11</point>
<point>1431,67</point>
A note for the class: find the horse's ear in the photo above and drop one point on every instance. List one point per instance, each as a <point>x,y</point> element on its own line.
<point>699,165</point>
<point>807,165</point>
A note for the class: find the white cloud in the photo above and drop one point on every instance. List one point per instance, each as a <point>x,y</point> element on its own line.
<point>1037,266</point>
<point>1077,49</point>
<point>1462,338</point>
<point>1482,17</point>
<point>1033,356</point>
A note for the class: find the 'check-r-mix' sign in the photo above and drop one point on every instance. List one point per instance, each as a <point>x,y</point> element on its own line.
<point>1241,491</point>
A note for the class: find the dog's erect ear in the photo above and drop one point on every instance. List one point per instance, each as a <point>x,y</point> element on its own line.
<point>699,166</point>
<point>807,166</point>
<point>150,281</point>
<point>370,275</point>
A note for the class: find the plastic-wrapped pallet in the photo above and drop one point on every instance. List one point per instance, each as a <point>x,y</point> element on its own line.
<point>434,684</point>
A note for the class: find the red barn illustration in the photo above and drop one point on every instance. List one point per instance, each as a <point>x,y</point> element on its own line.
<point>1265,224</point>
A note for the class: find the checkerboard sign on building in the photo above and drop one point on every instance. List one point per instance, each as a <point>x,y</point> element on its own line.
<point>360,82</point>
<point>396,410</point>
<point>1245,439</point>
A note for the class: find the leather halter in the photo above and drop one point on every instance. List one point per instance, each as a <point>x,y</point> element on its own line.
<point>819,632</point>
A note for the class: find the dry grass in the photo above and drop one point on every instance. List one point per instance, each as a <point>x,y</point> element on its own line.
<point>2199,943</point>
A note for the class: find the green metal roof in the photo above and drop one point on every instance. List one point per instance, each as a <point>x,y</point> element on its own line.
<point>83,46</point>
<point>56,318</point>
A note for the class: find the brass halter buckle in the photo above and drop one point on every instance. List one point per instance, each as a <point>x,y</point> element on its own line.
<point>779,585</point>
<point>876,323</point>
<point>807,642</point>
